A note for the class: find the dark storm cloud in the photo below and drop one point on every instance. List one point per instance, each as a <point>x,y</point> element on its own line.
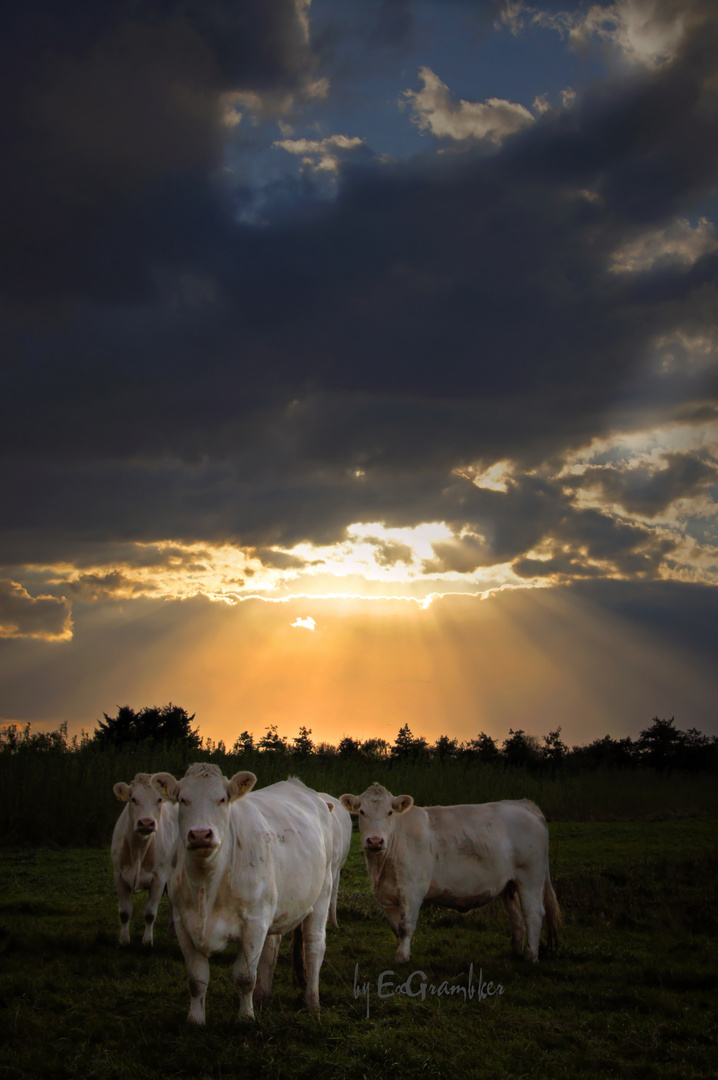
<point>22,615</point>
<point>390,552</point>
<point>93,587</point>
<point>110,109</point>
<point>353,39</point>
<point>650,491</point>
<point>497,527</point>
<point>282,560</point>
<point>594,545</point>
<point>207,504</point>
<point>176,374</point>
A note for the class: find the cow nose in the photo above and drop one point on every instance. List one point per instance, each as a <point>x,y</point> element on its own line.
<point>146,824</point>
<point>200,837</point>
<point>375,841</point>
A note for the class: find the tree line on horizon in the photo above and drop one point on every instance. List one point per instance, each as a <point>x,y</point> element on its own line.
<point>661,745</point>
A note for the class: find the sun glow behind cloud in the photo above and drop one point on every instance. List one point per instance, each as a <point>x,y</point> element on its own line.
<point>372,561</point>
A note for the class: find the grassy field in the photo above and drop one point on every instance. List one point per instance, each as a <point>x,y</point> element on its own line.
<point>632,993</point>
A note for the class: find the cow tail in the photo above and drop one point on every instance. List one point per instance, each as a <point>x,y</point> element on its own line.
<point>298,963</point>
<point>554,921</point>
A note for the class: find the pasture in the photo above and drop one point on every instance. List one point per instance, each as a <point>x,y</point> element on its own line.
<point>632,993</point>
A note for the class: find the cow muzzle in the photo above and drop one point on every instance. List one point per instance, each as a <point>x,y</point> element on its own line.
<point>374,843</point>
<point>146,826</point>
<point>201,840</point>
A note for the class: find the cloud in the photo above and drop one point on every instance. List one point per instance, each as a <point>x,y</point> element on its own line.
<point>184,377</point>
<point>307,623</point>
<point>390,552</point>
<point>434,110</point>
<point>649,490</point>
<point>323,154</point>
<point>645,32</point>
<point>678,242</point>
<point>110,111</point>
<point>101,586</point>
<point>25,616</point>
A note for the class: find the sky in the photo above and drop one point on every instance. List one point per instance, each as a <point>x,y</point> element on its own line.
<point>360,365</point>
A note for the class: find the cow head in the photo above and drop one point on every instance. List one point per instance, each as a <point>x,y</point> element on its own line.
<point>376,809</point>
<point>204,796</point>
<point>144,804</point>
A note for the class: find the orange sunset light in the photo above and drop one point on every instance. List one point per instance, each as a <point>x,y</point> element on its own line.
<point>531,659</point>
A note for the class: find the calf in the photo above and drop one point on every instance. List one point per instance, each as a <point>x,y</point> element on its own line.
<point>142,844</point>
<point>459,857</point>
<point>251,866</point>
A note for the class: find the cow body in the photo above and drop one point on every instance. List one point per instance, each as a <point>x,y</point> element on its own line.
<point>250,867</point>
<point>460,857</point>
<point>342,827</point>
<point>143,841</point>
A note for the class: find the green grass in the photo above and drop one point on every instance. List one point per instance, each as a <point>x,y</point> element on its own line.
<point>632,993</point>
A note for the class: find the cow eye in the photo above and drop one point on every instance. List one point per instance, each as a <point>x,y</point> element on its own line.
<point>362,813</point>
<point>391,812</point>
<point>183,801</point>
<point>133,800</point>
<point>159,801</point>
<point>220,801</point>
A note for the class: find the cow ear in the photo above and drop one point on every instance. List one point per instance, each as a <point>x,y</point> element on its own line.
<point>402,803</point>
<point>165,785</point>
<point>350,803</point>
<point>122,791</point>
<point>240,784</point>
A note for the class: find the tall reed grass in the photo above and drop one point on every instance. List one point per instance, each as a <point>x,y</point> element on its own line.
<point>66,799</point>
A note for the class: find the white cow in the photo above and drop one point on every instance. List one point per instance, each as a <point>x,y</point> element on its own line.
<point>342,825</point>
<point>250,866</point>
<point>460,857</point>
<point>143,840</point>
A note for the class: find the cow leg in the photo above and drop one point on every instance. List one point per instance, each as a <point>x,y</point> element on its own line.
<point>403,922</point>
<point>245,967</point>
<point>155,895</point>
<point>512,904</point>
<point>124,906</point>
<point>265,968</point>
<point>314,934</point>
<point>333,902</point>
<point>197,975</point>
<point>533,913</point>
